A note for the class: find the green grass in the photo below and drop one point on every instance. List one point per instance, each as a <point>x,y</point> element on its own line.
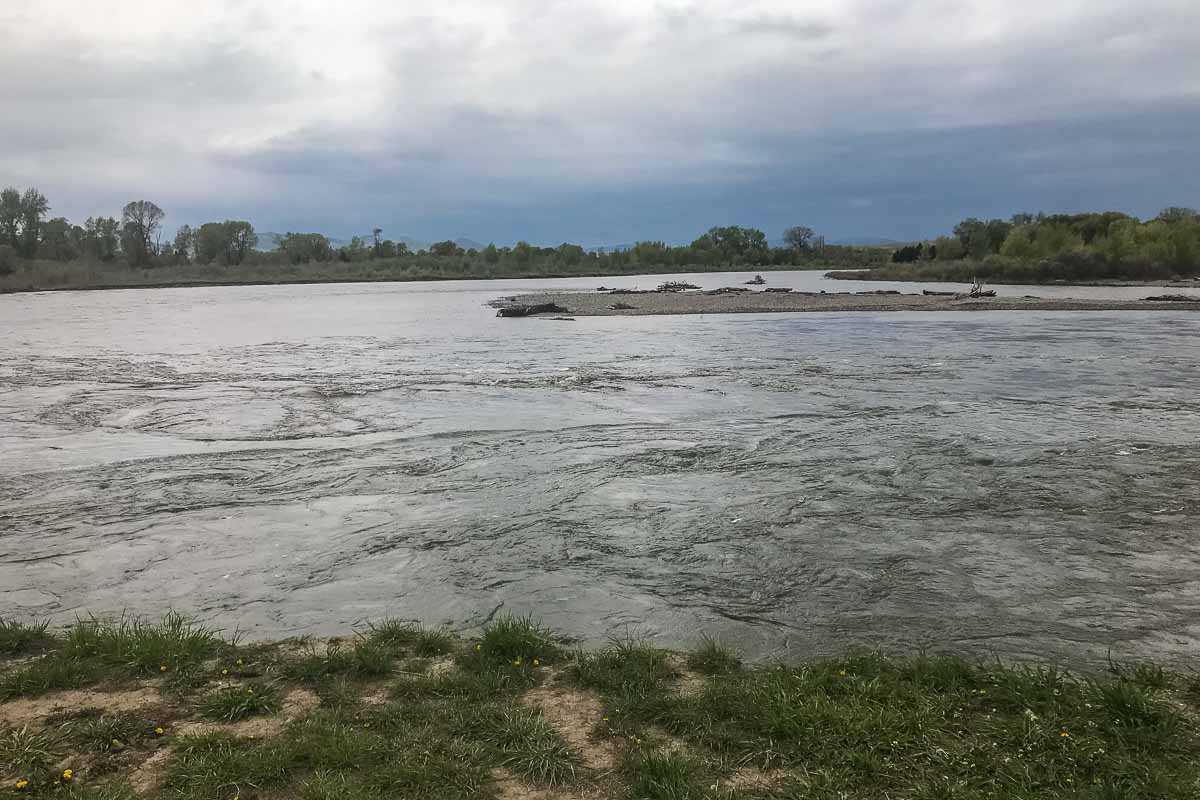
<point>659,775</point>
<point>403,636</point>
<point>713,658</point>
<point>18,639</point>
<point>517,640</point>
<point>173,643</point>
<point>861,726</point>
<point>24,751</point>
<point>98,650</point>
<point>531,749</point>
<point>232,703</point>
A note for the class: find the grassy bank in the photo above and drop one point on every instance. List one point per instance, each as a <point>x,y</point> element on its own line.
<point>127,709</point>
<point>43,275</point>
<point>1081,269</point>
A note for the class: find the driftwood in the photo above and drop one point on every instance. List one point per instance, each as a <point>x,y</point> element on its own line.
<point>930,293</point>
<point>1174,298</point>
<point>977,290</point>
<point>675,286</point>
<point>778,289</point>
<point>880,291</point>
<point>758,280</point>
<point>526,311</point>
<point>727,290</point>
<point>629,291</point>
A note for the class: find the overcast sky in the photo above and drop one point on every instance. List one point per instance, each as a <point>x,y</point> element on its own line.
<point>601,122</point>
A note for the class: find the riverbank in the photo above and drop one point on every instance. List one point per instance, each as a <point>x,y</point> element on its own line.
<point>997,272</point>
<point>48,276</point>
<point>607,303</point>
<point>171,709</point>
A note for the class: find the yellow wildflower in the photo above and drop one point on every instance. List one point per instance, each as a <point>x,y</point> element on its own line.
<point>239,662</point>
<point>516,662</point>
<point>478,647</point>
<point>162,667</point>
<point>224,672</point>
<point>537,663</point>
<point>159,731</point>
<point>841,673</point>
<point>68,774</point>
<point>1064,734</point>
<point>21,783</point>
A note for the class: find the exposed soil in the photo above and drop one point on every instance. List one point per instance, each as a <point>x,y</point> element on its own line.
<point>32,711</point>
<point>574,713</point>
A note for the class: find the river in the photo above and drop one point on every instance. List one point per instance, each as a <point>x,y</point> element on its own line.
<point>302,459</point>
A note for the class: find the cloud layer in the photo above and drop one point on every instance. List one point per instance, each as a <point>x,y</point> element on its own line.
<point>602,121</point>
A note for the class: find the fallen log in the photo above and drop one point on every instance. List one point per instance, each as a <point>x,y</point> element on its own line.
<point>675,286</point>
<point>527,311</point>
<point>1174,298</point>
<point>778,289</point>
<point>931,293</point>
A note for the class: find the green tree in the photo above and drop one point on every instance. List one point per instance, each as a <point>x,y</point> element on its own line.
<point>185,243</point>
<point>570,254</point>
<point>445,249</point>
<point>1177,214</point>
<point>58,241</point>
<point>101,236</point>
<point>301,248</point>
<point>33,207</point>
<point>1019,243</point>
<point>240,239</point>
<point>733,244</point>
<point>10,217</point>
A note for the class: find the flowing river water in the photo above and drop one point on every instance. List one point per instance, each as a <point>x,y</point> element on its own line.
<point>302,459</point>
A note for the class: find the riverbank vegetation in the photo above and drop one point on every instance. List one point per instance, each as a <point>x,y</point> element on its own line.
<point>40,253</point>
<point>1074,248</point>
<point>115,710</point>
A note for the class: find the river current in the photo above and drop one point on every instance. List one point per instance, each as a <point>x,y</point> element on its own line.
<point>304,459</point>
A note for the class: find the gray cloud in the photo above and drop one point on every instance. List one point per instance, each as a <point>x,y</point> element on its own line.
<point>556,120</point>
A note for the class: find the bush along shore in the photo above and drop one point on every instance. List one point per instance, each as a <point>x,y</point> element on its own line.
<point>126,708</point>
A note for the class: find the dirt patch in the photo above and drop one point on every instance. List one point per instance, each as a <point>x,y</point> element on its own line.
<point>256,728</point>
<point>379,695</point>
<point>509,787</point>
<point>148,777</point>
<point>441,666</point>
<point>749,778</point>
<point>31,711</point>
<point>573,713</point>
<point>296,704</point>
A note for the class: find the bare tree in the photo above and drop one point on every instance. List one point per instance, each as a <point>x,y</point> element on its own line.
<point>141,221</point>
<point>798,237</point>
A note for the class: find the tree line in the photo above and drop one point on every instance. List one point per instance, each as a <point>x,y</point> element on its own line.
<point>136,239</point>
<point>1090,246</point>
